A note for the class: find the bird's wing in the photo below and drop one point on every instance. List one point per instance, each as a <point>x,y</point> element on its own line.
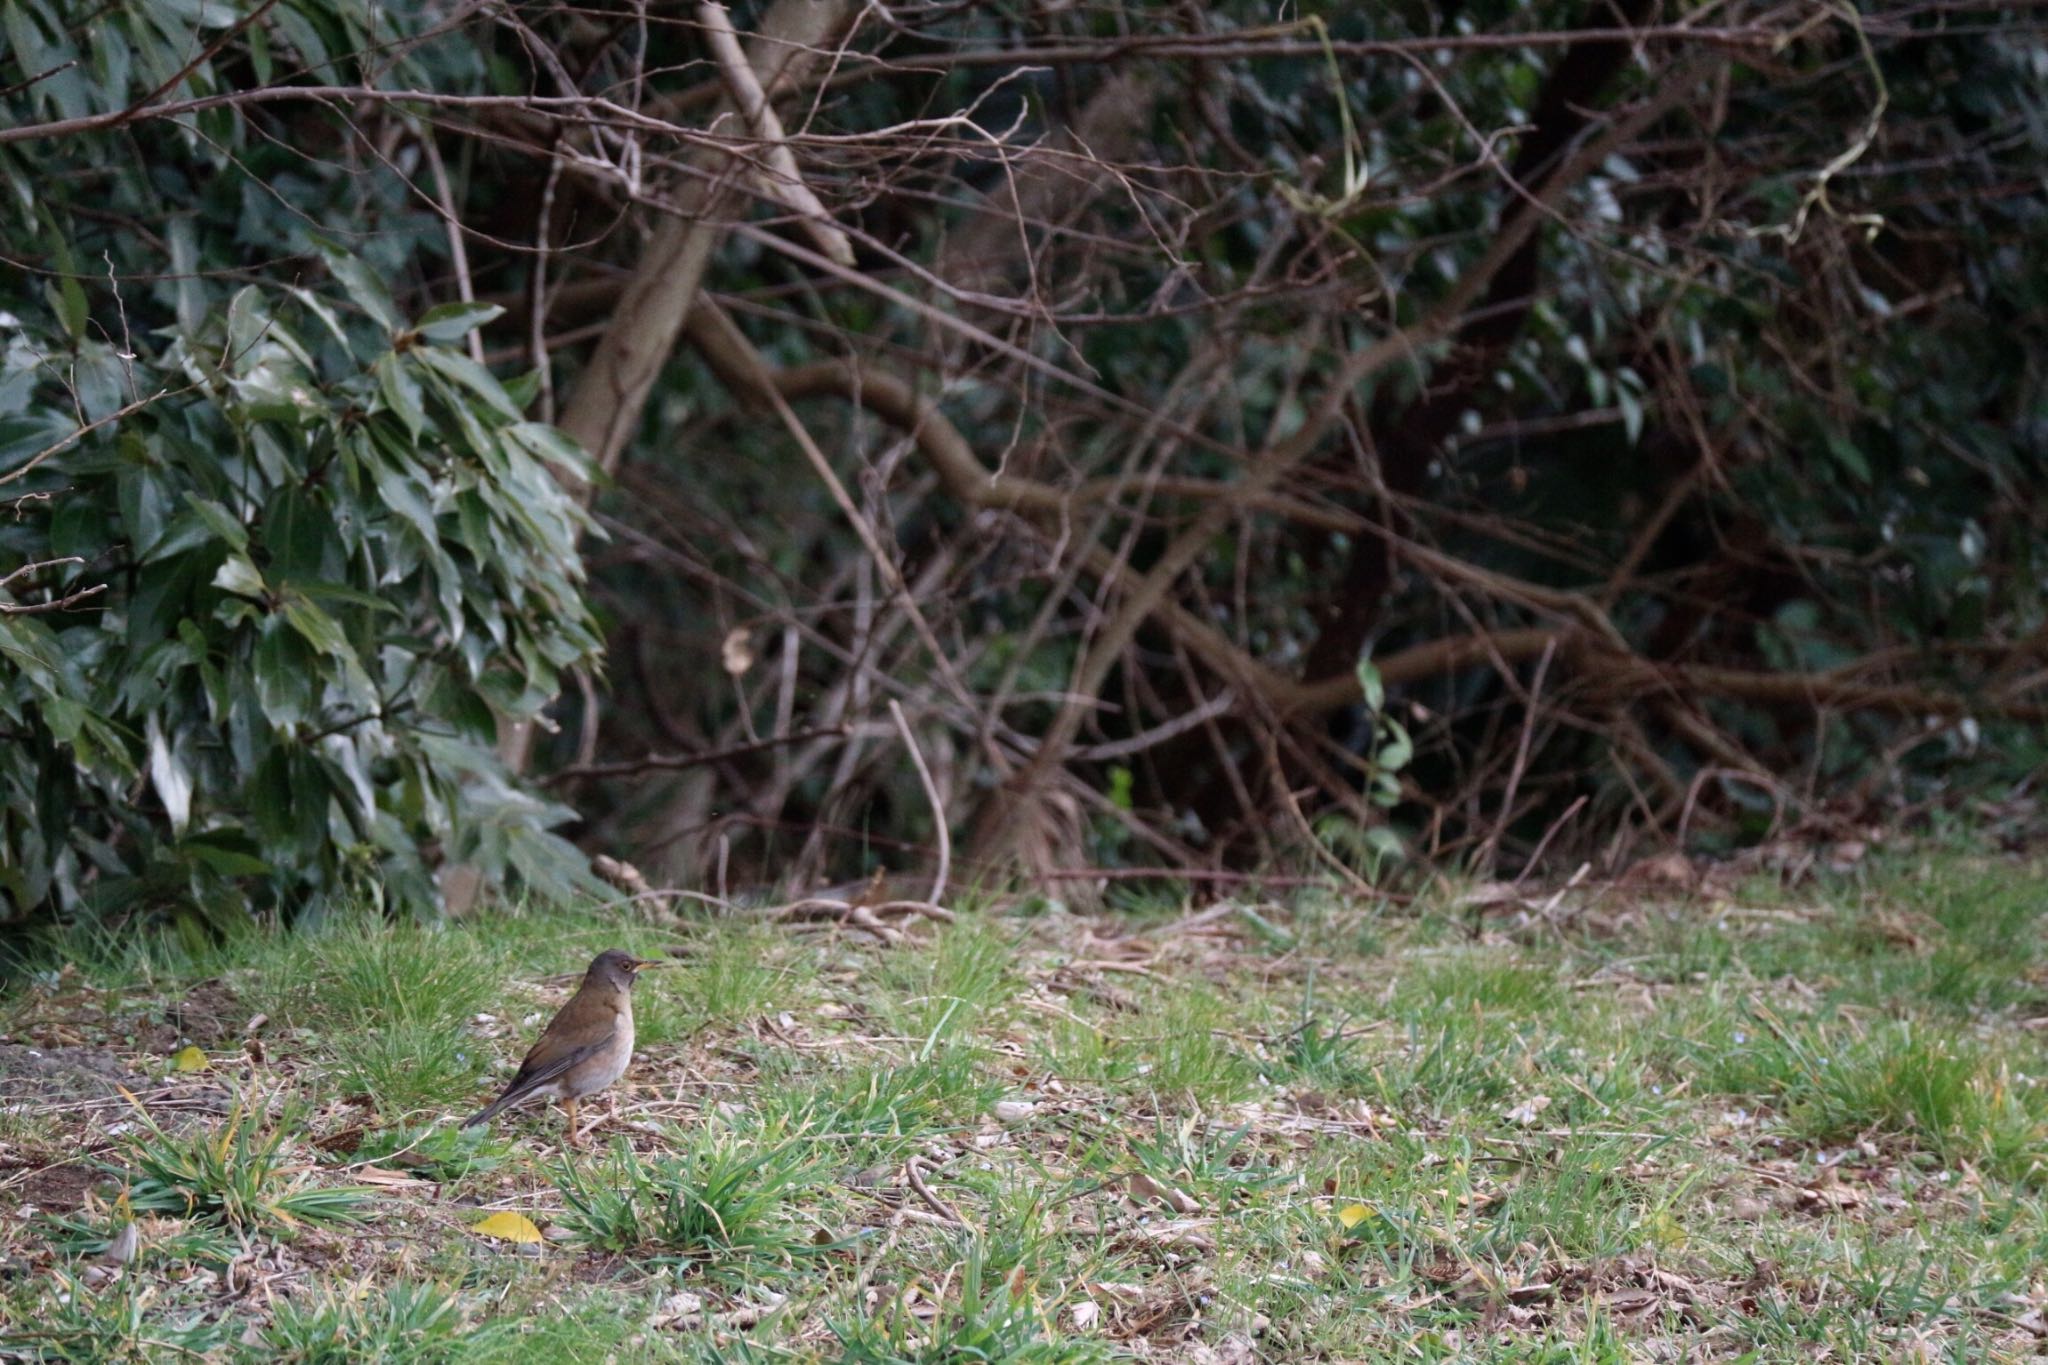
<point>544,1062</point>
<point>535,1072</point>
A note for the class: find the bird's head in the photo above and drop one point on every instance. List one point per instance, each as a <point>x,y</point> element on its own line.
<point>618,967</point>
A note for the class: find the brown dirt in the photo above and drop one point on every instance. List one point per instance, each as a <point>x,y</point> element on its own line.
<point>58,1189</point>
<point>209,1015</point>
<point>60,1073</point>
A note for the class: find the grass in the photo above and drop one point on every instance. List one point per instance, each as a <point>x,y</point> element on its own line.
<point>1770,1126</point>
<point>236,1173</point>
<point>403,1324</point>
<point>718,1203</point>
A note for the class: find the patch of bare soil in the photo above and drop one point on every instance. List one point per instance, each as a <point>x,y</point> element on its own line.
<point>209,1015</point>
<point>57,1189</point>
<point>49,1074</point>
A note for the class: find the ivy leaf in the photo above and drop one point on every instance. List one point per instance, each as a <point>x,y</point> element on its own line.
<point>1369,683</point>
<point>1396,748</point>
<point>1384,842</point>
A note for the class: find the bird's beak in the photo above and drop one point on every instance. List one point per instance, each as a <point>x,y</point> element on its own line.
<point>641,964</point>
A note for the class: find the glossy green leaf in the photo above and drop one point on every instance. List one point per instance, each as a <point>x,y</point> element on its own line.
<point>401,391</point>
<point>451,322</point>
<point>238,575</point>
<point>362,286</point>
<point>471,377</point>
<point>284,667</point>
<point>298,534</point>
<point>314,626</point>
<point>170,776</point>
<point>220,521</point>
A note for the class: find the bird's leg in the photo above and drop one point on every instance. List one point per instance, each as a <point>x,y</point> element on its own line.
<point>569,1113</point>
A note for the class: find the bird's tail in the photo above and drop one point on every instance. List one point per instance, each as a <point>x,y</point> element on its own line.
<point>489,1111</point>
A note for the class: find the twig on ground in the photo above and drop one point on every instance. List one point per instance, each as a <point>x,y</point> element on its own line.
<point>913,1170</point>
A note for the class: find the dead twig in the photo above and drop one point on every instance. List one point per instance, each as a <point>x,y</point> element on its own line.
<point>676,762</point>
<point>931,794</point>
<point>913,1171</point>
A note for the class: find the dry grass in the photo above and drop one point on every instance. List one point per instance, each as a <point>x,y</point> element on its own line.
<point>1745,1125</point>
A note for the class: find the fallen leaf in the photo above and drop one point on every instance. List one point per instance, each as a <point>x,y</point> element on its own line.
<point>1525,1113</point>
<point>1236,1349</point>
<point>1351,1215</point>
<point>188,1058</point>
<point>1631,1300</point>
<point>1014,1111</point>
<point>377,1175</point>
<point>1085,1313</point>
<point>1826,1197</point>
<point>508,1227</point>
<point>682,1309</point>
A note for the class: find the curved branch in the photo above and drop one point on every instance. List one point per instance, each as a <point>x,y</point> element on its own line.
<point>1585,629</point>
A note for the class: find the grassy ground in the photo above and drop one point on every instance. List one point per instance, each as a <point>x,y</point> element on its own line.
<point>1622,1124</point>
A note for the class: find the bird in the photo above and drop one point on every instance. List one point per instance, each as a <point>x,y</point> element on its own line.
<point>585,1047</point>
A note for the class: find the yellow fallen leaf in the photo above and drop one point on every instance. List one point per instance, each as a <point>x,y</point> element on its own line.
<point>188,1058</point>
<point>1351,1215</point>
<point>507,1227</point>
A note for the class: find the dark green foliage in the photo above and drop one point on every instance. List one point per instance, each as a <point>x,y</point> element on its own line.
<point>1751,421</point>
<point>326,551</point>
